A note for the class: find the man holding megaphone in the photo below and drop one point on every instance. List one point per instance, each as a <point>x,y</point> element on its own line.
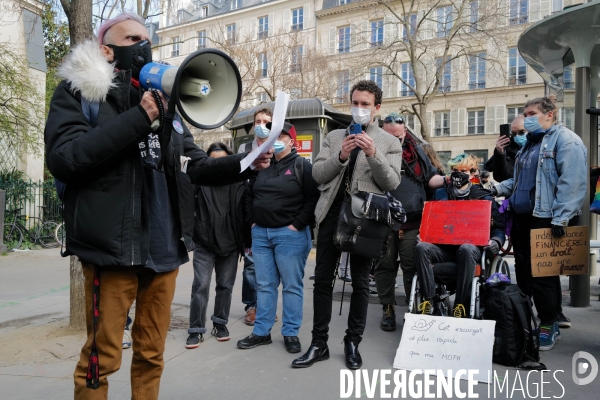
<point>128,202</point>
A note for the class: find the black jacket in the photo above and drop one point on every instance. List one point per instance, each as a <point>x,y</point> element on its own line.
<point>276,198</point>
<point>105,207</point>
<point>204,228</point>
<point>502,164</point>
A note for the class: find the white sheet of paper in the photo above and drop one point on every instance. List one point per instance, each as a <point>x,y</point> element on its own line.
<point>446,343</point>
<point>279,112</point>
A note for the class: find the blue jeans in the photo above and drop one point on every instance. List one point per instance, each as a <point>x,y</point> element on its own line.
<point>249,283</point>
<point>279,256</point>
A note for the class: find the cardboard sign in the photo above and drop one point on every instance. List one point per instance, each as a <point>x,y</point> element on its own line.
<point>304,143</point>
<point>446,343</point>
<point>569,255</point>
<point>457,222</point>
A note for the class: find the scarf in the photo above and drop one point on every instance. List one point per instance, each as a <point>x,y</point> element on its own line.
<point>410,158</point>
<point>455,193</point>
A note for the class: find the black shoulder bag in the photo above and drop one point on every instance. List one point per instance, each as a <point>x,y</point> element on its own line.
<point>362,228</point>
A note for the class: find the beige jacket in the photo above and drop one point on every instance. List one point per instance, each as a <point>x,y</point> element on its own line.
<point>376,174</point>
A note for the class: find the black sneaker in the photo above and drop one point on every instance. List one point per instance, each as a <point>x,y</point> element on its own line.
<point>193,340</point>
<point>388,321</point>
<point>292,344</point>
<point>563,322</point>
<point>220,332</point>
<point>251,341</point>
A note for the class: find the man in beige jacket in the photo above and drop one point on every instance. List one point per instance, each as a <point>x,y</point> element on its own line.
<point>375,158</point>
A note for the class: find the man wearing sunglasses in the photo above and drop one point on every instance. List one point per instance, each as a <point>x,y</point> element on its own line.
<point>502,163</point>
<point>418,175</point>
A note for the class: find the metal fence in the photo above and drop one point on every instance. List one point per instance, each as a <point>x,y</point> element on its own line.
<point>36,199</point>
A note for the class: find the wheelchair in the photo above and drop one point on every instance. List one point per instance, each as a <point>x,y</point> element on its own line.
<point>445,285</point>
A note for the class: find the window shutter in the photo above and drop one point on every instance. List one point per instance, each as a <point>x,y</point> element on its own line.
<point>366,35</point>
<point>430,25</point>
<point>500,117</point>
<point>490,119</point>
<point>332,40</point>
<point>307,17</point>
<point>455,81</point>
<point>286,20</point>
<point>431,121</point>
<point>544,8</point>
<point>272,30</point>
<point>454,122</point>
<point>354,37</point>
<point>462,121</point>
<point>255,29</point>
<point>534,10</point>
<point>388,28</point>
<point>503,11</point>
<point>417,128</point>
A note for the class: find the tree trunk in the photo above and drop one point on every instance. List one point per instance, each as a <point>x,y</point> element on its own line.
<point>79,14</point>
<point>424,122</point>
<point>77,308</point>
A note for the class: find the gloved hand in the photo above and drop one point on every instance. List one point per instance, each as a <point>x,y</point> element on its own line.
<point>492,247</point>
<point>558,231</point>
<point>494,191</point>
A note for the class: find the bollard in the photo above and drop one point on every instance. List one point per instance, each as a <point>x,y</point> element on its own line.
<point>2,202</point>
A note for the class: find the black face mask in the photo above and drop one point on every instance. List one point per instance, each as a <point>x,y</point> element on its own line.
<point>459,179</point>
<point>132,57</point>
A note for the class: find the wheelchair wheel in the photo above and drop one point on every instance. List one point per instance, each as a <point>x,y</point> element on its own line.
<point>507,248</point>
<point>500,265</point>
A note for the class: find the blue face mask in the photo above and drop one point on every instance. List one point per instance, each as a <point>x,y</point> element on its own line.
<point>262,131</point>
<point>278,146</point>
<point>532,124</point>
<point>520,140</point>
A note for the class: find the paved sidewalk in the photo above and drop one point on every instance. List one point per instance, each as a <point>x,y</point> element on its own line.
<point>38,351</point>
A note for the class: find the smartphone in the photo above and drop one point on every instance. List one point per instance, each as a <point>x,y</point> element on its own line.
<point>505,130</point>
<point>355,129</point>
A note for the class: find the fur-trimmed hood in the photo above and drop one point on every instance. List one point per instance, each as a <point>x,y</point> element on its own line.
<point>88,72</point>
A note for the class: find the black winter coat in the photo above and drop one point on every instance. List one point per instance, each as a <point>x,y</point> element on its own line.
<point>105,206</point>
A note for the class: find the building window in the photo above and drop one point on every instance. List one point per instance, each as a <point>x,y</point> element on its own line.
<point>477,71</point>
<point>474,16</point>
<point>297,19</point>
<point>412,23</point>
<point>442,123</point>
<point>377,33</point>
<point>481,155</point>
<point>231,34</point>
<point>376,75</point>
<point>476,122</point>
<point>204,12</point>
<point>343,87</point>
<point>568,82</point>
<point>568,118</point>
<point>557,6</point>
<point>446,75</point>
<point>296,59</point>
<point>409,121</point>
<point>196,5</point>
<point>512,112</point>
<point>517,69</point>
<point>518,12</point>
<point>263,27</point>
<point>444,157</point>
<point>342,2</point>
<point>261,97</point>
<point>262,65</point>
<point>445,20</point>
<point>295,94</point>
<point>344,39</point>
<point>235,4</point>
<point>406,72</point>
<point>201,39</point>
<point>175,49</point>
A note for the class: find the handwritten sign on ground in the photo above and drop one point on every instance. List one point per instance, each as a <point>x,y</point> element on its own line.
<point>568,255</point>
<point>457,222</point>
<point>446,343</point>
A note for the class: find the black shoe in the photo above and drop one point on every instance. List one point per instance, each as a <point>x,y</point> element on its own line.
<point>251,341</point>
<point>388,321</point>
<point>563,322</point>
<point>353,358</point>
<point>194,340</point>
<point>292,344</point>
<point>220,332</point>
<point>318,351</point>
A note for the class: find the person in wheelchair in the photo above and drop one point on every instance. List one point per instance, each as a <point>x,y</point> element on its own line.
<point>466,256</point>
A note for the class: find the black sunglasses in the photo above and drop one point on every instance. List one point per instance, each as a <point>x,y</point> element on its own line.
<point>389,120</point>
<point>519,133</point>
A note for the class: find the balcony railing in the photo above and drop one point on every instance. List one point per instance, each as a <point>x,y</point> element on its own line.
<point>261,73</point>
<point>297,27</point>
<point>295,68</point>
<point>478,85</point>
<point>518,20</point>
<point>263,34</point>
<point>516,81</point>
<point>441,131</point>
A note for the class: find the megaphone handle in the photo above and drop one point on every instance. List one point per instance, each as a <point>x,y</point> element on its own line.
<point>161,111</point>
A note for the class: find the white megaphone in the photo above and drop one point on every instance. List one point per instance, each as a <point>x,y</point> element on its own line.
<point>206,88</point>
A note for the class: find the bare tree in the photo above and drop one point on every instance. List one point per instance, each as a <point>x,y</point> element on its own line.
<point>428,45</point>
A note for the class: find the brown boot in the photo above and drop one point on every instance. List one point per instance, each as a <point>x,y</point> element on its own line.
<point>250,316</point>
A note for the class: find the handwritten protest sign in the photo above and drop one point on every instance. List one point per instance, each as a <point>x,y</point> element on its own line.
<point>457,222</point>
<point>445,343</point>
<point>568,255</point>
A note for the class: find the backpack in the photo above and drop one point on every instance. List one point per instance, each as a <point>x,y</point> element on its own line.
<point>90,110</point>
<point>516,336</point>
